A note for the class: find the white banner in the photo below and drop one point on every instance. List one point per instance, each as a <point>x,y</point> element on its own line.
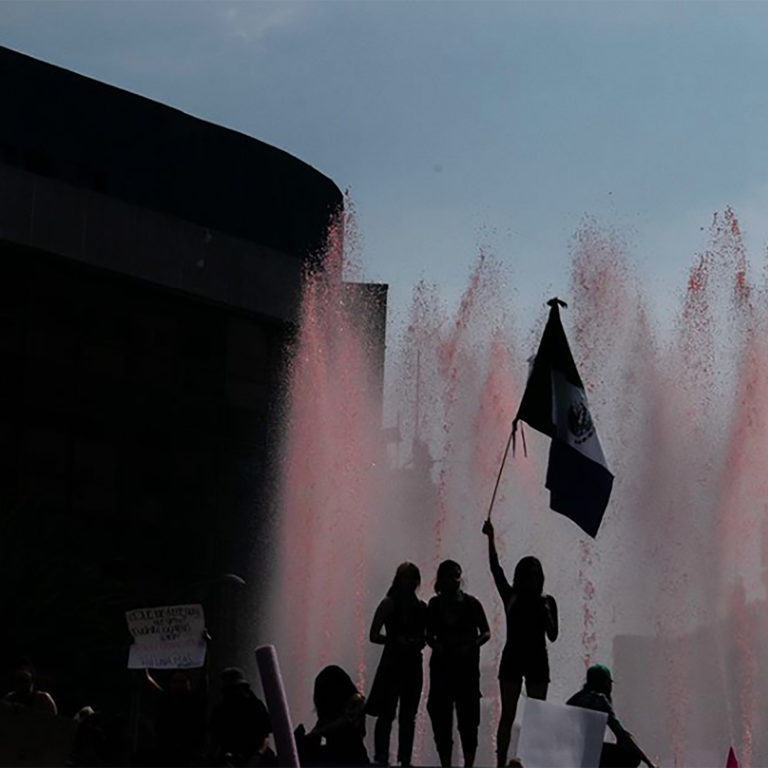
<point>559,736</point>
<point>167,637</point>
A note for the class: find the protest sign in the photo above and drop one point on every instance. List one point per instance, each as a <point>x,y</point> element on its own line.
<point>167,637</point>
<point>559,736</point>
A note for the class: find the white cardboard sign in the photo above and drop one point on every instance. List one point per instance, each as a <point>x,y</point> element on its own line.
<point>166,637</point>
<point>560,736</point>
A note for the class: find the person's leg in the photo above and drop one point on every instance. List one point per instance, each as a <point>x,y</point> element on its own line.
<point>617,756</point>
<point>383,705</point>
<point>381,736</point>
<point>468,720</point>
<point>536,690</point>
<point>440,709</point>
<point>510,694</point>
<point>410,696</point>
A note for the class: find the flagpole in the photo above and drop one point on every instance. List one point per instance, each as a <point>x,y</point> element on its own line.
<point>501,469</point>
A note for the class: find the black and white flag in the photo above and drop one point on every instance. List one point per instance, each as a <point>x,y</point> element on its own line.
<point>554,403</point>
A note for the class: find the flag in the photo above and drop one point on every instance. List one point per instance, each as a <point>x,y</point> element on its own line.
<point>731,762</point>
<point>554,403</point>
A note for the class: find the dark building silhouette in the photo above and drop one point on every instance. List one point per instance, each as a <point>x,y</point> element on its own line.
<point>150,270</point>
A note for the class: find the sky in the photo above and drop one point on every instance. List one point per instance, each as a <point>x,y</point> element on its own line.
<point>460,126</point>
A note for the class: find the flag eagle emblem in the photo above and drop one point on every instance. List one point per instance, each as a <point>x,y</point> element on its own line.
<point>554,403</point>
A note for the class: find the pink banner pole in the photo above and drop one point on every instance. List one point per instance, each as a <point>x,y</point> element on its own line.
<point>277,704</point>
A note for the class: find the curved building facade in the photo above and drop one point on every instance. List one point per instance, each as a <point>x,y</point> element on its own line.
<point>150,274</point>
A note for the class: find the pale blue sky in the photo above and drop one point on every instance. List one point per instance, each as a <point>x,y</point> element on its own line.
<point>460,124</point>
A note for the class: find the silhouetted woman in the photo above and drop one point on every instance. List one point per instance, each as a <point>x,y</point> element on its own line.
<point>338,736</point>
<point>456,628</point>
<point>531,618</point>
<point>399,676</point>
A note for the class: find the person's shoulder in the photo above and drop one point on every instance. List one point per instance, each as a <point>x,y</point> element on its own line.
<point>591,700</point>
<point>44,702</point>
<point>386,605</point>
<point>252,698</point>
<point>355,705</point>
<point>473,601</point>
<point>259,710</point>
<point>581,698</point>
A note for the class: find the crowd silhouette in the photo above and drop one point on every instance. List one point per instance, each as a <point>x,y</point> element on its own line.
<point>181,725</point>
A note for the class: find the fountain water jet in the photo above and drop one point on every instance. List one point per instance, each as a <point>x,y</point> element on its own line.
<point>673,590</point>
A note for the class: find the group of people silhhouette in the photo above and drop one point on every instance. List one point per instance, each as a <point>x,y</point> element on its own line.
<point>190,730</point>
<point>454,626</point>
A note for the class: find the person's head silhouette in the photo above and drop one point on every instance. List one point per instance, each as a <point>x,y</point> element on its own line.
<point>333,689</point>
<point>407,580</point>
<point>528,578</point>
<point>599,679</point>
<point>448,580</point>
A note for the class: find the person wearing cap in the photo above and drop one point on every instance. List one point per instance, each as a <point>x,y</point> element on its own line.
<point>596,695</point>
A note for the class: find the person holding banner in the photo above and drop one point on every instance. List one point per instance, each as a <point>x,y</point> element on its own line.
<point>181,718</point>
<point>596,694</point>
<point>531,619</point>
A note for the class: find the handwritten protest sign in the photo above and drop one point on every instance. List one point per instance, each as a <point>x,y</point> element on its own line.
<point>167,637</point>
